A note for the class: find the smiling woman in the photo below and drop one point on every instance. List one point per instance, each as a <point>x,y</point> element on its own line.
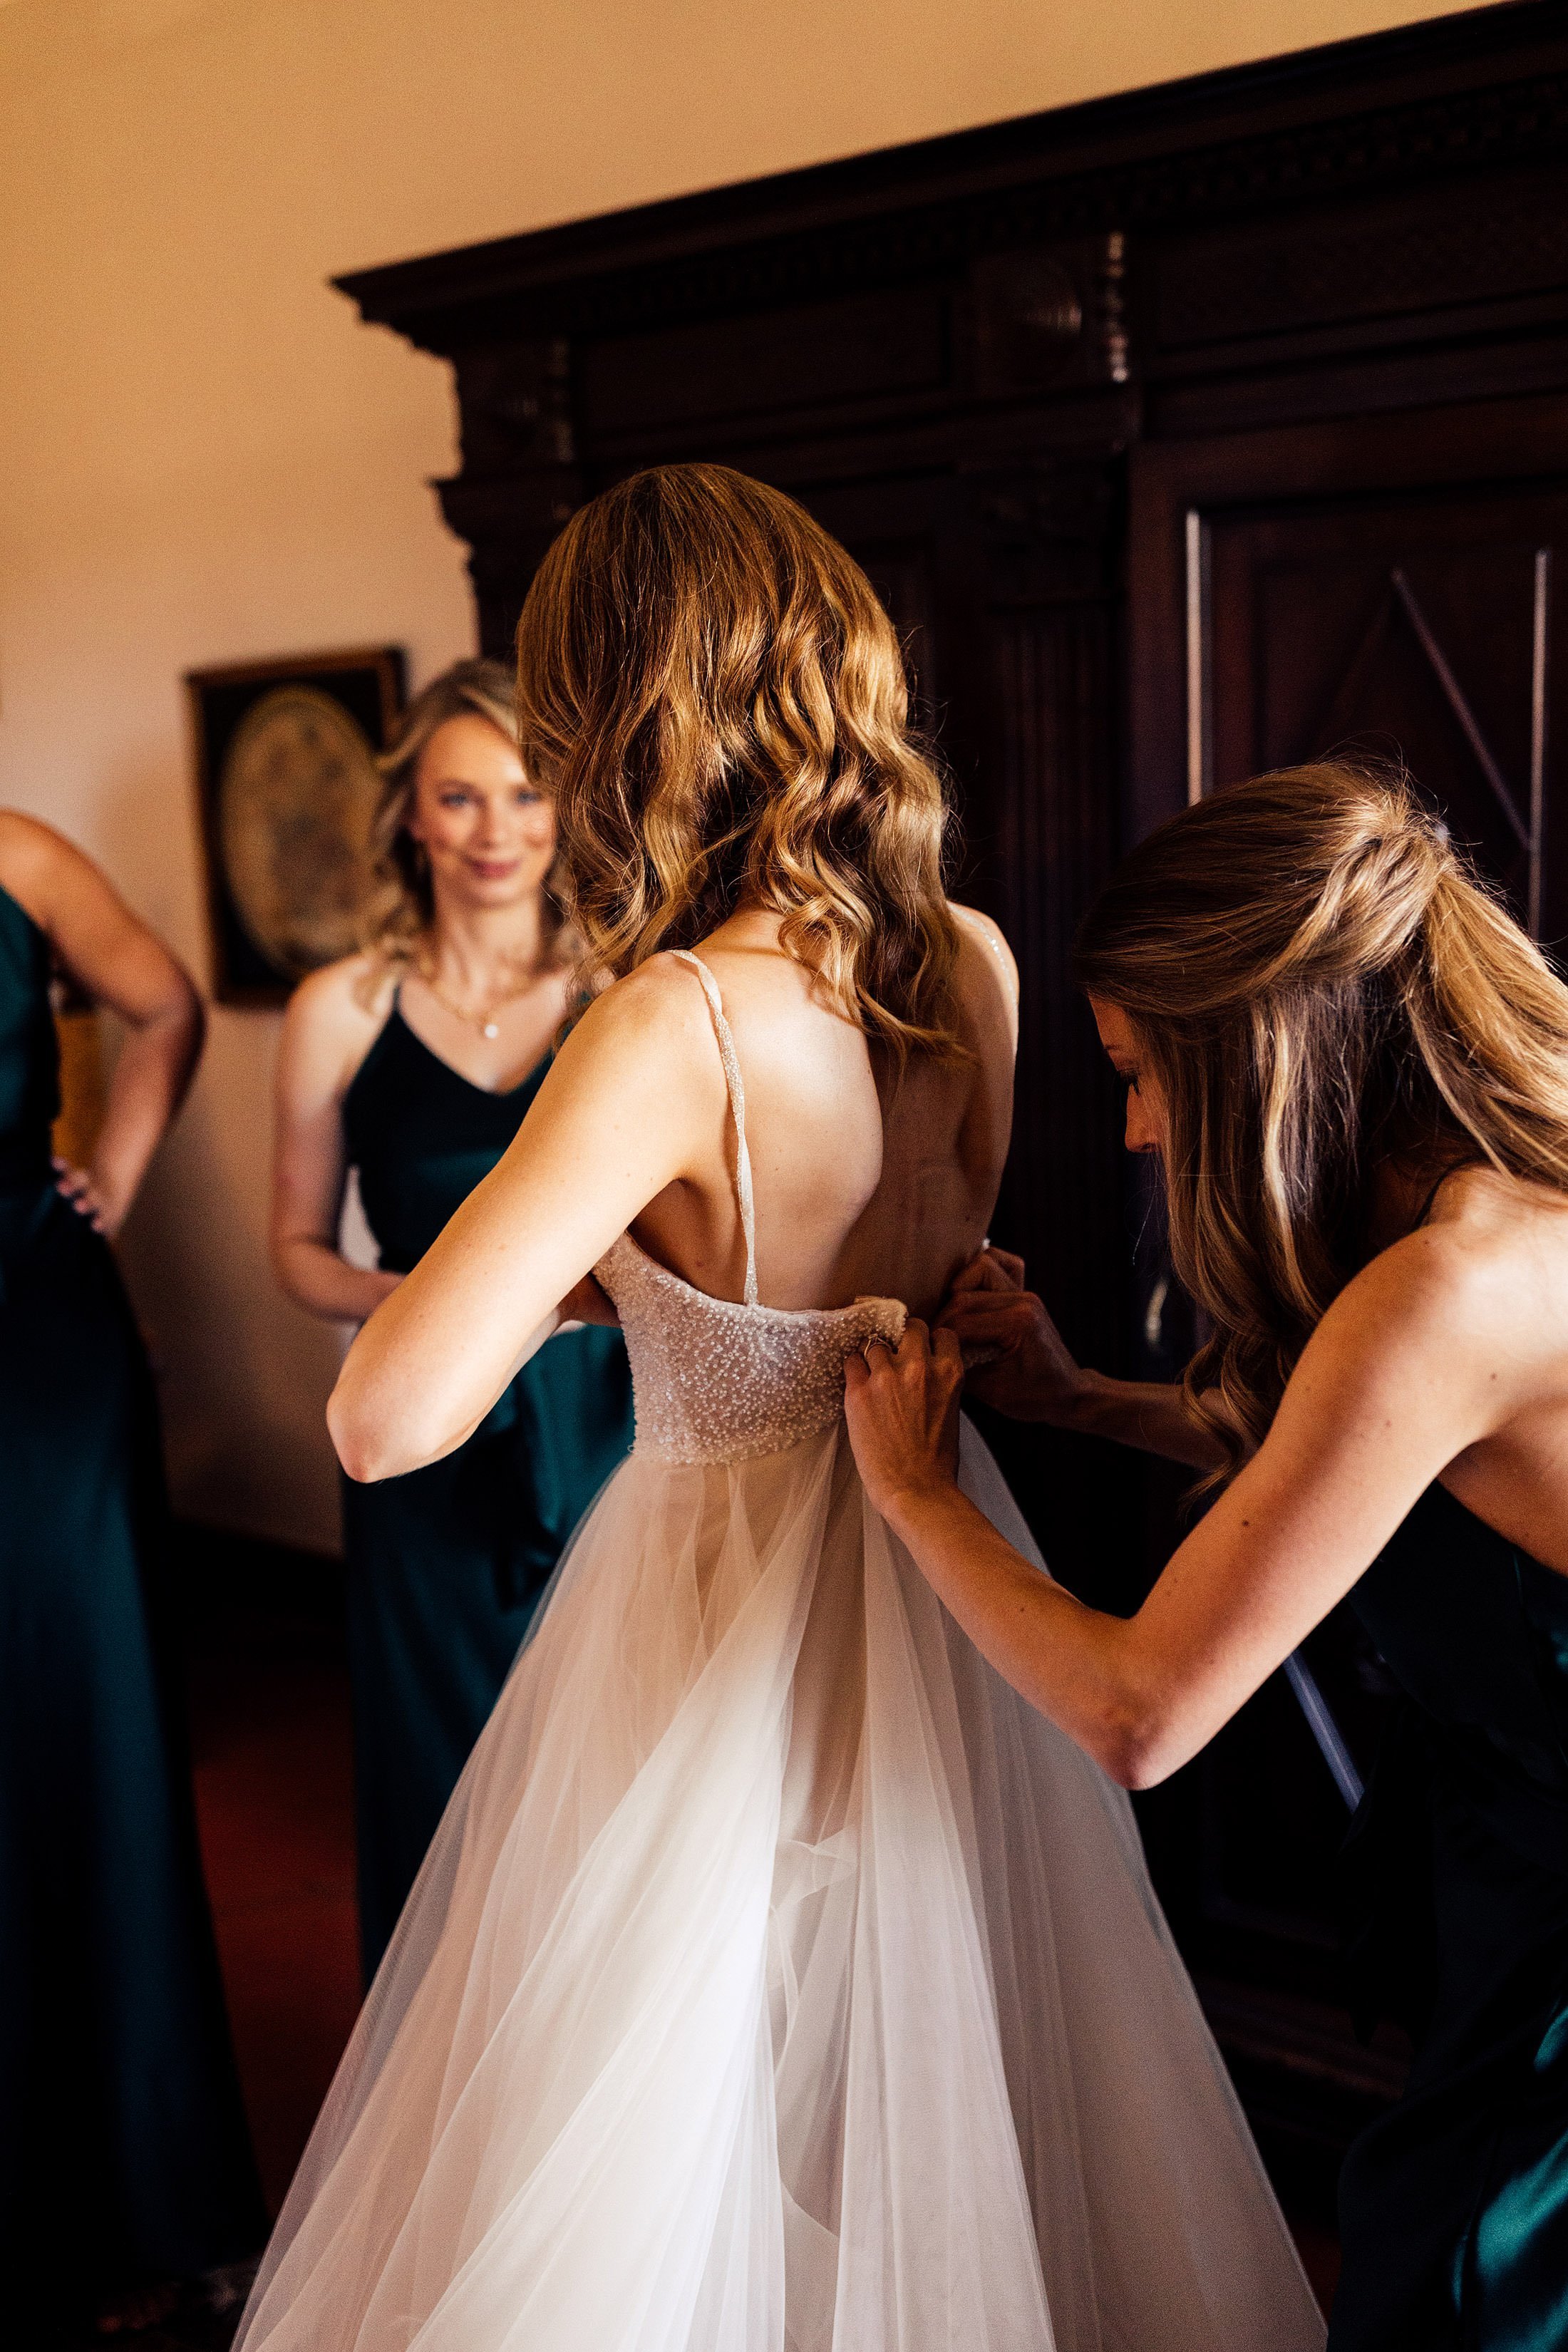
<point>414,1063</point>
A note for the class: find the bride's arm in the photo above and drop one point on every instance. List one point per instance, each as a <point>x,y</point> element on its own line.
<point>616,1122</point>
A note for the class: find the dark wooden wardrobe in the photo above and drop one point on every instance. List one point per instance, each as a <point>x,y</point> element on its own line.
<point>1185,433</point>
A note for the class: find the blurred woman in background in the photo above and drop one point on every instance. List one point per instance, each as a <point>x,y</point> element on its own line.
<point>414,1064</point>
<point>125,2161</point>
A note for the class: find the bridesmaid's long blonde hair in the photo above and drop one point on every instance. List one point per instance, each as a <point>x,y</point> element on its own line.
<point>716,701</point>
<point>1320,983</point>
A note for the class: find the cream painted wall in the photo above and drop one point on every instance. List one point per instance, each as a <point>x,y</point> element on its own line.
<point>203,457</point>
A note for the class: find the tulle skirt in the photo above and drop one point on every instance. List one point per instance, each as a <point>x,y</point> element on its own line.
<point>777,1981</point>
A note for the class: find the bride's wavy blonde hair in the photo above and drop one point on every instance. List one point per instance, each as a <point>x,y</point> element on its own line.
<point>1319,983</point>
<point>716,701</point>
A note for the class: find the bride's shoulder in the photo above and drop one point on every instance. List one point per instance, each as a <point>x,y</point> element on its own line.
<point>983,946</point>
<point>986,980</point>
<point>655,1015</point>
<point>659,991</point>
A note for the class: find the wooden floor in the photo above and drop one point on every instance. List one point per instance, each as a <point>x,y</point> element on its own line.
<point>275,1796</point>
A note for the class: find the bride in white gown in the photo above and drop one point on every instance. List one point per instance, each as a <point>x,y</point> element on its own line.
<point>776,1982</point>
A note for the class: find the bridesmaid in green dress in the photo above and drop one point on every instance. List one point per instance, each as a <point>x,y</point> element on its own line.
<point>1353,1067</point>
<point>414,1064</point>
<point>124,2159</point>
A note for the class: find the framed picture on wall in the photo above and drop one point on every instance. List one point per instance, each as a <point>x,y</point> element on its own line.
<point>286,781</point>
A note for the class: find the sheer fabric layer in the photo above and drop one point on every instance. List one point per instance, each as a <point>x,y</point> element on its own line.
<point>777,1982</point>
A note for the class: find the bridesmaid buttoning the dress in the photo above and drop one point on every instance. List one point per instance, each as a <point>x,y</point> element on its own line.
<point>414,1064</point>
<point>125,2158</point>
<point>777,1981</point>
<point>1353,1065</point>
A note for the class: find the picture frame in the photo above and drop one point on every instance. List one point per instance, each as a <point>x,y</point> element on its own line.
<point>287,786</point>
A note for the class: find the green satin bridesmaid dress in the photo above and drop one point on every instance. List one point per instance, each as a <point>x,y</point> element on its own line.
<point>124,2149</point>
<point>446,1566</point>
<point>1454,2209</point>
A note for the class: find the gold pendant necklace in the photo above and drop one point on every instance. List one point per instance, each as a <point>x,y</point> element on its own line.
<point>485,1023</point>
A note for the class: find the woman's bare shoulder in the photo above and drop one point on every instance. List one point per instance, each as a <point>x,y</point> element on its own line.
<point>348,994</point>
<point>987,943</point>
<point>986,985</point>
<point>1482,1208</point>
<point>37,863</point>
<point>1501,1243</point>
<point>335,1017</point>
<point>658,1008</point>
<point>23,836</point>
<point>1479,1289</point>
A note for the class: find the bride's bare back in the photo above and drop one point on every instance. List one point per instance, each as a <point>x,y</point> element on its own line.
<point>867,1183</point>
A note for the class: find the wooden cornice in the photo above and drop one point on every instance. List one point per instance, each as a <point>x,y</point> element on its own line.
<point>1443,98</point>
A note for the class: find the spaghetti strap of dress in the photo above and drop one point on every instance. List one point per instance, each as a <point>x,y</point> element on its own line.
<point>738,1111</point>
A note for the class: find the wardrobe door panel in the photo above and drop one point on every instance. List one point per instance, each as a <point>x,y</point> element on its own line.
<point>1420,634</point>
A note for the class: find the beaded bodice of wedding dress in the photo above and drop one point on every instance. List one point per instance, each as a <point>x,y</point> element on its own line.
<point>721,1381</point>
<point>777,1981</point>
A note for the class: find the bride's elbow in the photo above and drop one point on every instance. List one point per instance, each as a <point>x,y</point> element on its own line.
<point>375,1437</point>
<point>353,1442</point>
<point>366,1441</point>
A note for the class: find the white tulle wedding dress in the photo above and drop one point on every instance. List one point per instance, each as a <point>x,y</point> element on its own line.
<point>777,1981</point>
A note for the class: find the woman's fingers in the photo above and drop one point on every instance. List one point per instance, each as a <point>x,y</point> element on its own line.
<point>964,1306</point>
<point>901,1407</point>
<point>75,1185</point>
<point>983,1316</point>
<point>993,1270</point>
<point>919,1353</point>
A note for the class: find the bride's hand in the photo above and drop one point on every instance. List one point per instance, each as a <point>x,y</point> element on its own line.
<point>902,1411</point>
<point>1028,1372</point>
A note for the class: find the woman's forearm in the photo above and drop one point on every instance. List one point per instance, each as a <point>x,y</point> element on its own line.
<point>150,1078</point>
<point>1075,1665</point>
<point>1152,1416</point>
<point>317,1278</point>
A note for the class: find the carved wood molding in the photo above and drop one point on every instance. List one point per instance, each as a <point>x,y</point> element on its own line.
<point>1149,162</point>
